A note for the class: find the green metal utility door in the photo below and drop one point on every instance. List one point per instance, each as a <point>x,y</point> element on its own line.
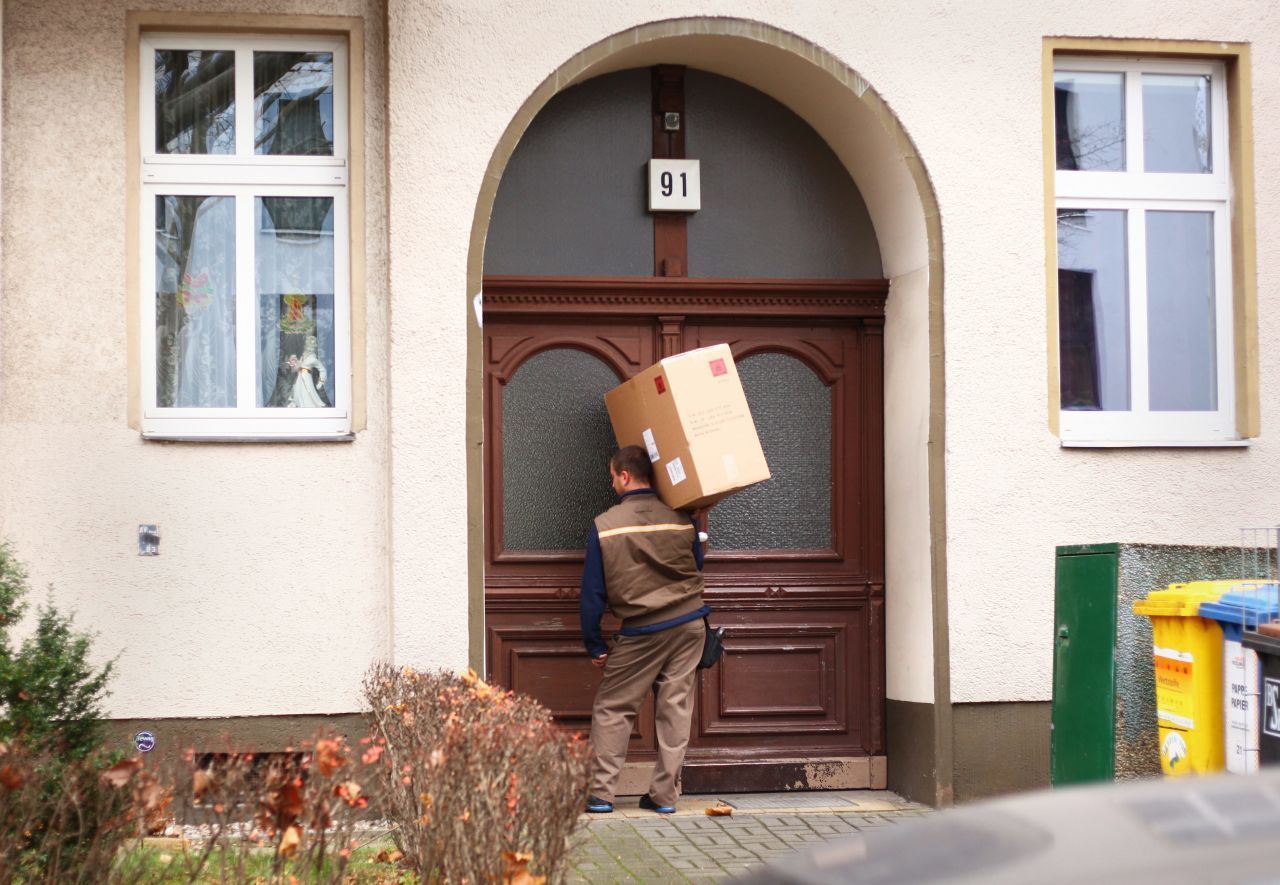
<point>1083,745</point>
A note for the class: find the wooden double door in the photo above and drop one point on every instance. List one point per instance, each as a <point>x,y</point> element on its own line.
<point>795,566</point>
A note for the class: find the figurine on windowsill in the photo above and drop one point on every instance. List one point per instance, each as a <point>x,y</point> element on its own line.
<point>308,386</point>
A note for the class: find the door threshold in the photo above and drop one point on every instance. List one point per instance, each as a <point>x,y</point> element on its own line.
<point>766,775</point>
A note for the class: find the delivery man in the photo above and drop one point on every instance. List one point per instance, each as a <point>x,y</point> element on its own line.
<point>644,562</point>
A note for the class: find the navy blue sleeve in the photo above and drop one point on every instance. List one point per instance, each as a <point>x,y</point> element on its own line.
<point>593,600</point>
<point>698,555</point>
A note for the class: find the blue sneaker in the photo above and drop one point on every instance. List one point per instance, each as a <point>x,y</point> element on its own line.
<point>598,806</point>
<point>647,802</point>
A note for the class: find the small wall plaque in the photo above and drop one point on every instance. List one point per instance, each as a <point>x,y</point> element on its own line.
<point>145,741</point>
<point>148,540</point>
<point>674,186</point>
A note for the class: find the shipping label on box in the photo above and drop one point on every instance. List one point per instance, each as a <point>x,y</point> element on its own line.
<point>690,413</point>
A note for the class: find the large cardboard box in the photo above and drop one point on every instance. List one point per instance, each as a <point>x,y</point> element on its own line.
<point>690,413</point>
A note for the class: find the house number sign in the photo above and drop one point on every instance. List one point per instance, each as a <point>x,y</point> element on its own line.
<point>674,186</point>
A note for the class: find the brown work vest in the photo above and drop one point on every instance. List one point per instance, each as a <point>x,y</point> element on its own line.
<point>650,574</point>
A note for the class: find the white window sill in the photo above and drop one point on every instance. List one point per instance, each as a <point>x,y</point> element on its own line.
<point>1154,444</point>
<point>280,438</point>
<point>178,437</point>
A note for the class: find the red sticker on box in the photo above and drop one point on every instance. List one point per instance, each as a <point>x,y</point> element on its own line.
<point>718,368</point>
<point>660,384</point>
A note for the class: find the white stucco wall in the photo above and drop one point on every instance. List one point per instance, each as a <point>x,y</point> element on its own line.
<point>239,615</point>
<point>974,113</point>
<point>909,622</point>
<point>270,592</point>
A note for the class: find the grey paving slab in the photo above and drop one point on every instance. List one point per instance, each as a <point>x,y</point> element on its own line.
<point>632,845</point>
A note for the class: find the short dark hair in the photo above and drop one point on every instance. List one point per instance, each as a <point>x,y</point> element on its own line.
<point>635,461</point>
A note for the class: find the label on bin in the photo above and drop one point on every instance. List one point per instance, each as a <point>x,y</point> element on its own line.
<point>1235,662</point>
<point>1174,750</point>
<point>1173,687</point>
<point>1271,707</point>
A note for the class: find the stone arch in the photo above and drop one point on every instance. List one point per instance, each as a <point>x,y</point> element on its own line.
<point>879,155</point>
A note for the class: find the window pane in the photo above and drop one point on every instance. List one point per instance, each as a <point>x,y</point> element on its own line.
<point>1093,309</point>
<point>1175,122</point>
<point>195,301</point>
<point>792,511</point>
<point>556,443</point>
<point>195,102</point>
<point>1089,119</point>
<point>294,272</point>
<point>293,103</point>
<point>1180,305</point>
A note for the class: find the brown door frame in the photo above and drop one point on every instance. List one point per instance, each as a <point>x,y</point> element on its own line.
<point>672,305</point>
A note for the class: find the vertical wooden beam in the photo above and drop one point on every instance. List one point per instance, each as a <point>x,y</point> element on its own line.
<point>671,335</point>
<point>670,240</point>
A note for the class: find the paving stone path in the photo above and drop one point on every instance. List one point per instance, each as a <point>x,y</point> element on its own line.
<point>634,846</point>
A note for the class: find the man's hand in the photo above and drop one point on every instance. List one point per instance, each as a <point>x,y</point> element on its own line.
<point>599,662</point>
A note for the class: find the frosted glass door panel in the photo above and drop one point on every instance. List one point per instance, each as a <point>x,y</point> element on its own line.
<point>791,407</point>
<point>556,444</point>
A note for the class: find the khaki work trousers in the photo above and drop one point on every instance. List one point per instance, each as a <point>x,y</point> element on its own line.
<point>667,662</point>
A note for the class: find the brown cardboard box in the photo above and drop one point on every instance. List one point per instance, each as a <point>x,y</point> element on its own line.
<point>690,413</point>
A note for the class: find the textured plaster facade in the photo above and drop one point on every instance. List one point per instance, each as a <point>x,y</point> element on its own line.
<point>240,616</point>
<point>270,593</point>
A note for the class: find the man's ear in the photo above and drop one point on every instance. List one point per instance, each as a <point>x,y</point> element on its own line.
<point>625,476</point>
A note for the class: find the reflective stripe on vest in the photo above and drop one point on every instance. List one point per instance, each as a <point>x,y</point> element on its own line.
<point>661,527</point>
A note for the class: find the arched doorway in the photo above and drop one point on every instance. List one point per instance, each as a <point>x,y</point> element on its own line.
<point>613,350</point>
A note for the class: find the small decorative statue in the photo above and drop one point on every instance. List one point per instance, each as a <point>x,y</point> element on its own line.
<point>308,385</point>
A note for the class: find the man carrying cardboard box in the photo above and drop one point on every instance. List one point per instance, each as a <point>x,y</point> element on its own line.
<point>644,562</point>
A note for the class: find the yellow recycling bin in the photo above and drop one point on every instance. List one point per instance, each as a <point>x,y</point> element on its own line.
<point>1188,664</point>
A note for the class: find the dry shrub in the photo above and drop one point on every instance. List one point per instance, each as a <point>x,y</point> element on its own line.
<point>482,784</point>
<point>273,816</point>
<point>65,820</point>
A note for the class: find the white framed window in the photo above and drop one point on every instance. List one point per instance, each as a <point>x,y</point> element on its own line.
<point>244,233</point>
<point>1143,197</point>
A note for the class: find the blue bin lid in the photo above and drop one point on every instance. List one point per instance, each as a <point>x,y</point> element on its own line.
<point>1248,606</point>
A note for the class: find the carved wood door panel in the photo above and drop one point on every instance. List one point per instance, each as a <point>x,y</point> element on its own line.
<point>795,566</point>
<point>548,443</point>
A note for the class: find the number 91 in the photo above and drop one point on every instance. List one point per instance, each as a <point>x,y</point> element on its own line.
<point>667,182</point>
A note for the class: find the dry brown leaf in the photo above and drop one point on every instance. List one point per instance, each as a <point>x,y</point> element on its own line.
<point>290,840</point>
<point>201,781</point>
<point>349,792</point>
<point>329,756</point>
<point>385,856</point>
<point>516,869</point>
<point>119,774</point>
<point>720,809</point>
<point>290,806</point>
<point>155,801</point>
<point>10,778</point>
